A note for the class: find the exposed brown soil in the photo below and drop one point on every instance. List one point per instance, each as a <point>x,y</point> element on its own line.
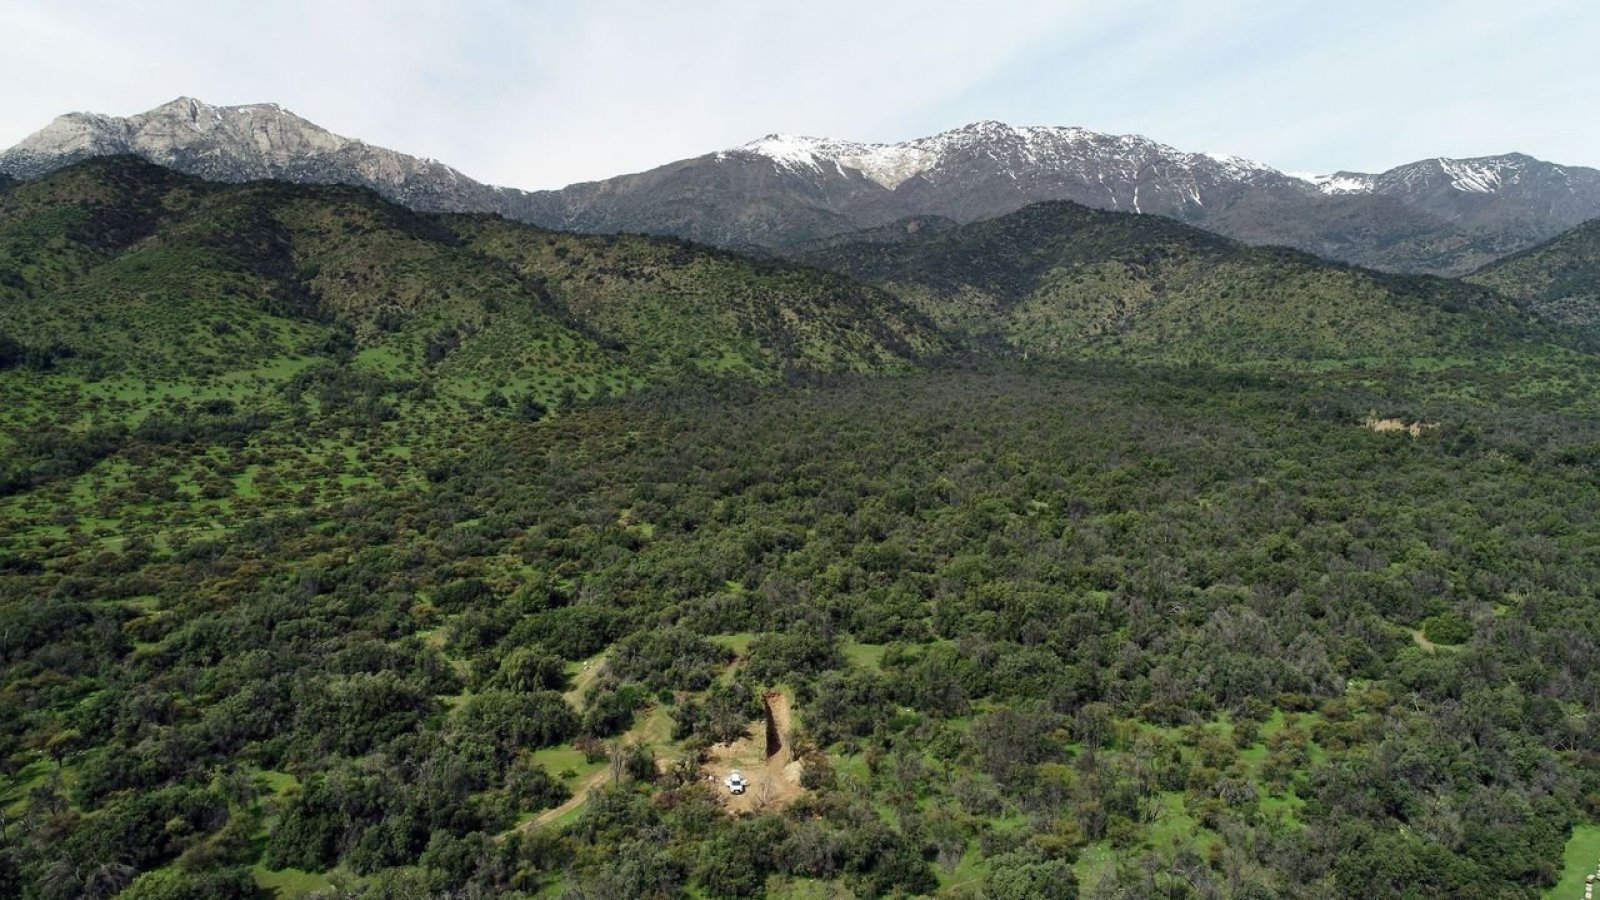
<point>1415,429</point>
<point>778,722</point>
<point>766,761</point>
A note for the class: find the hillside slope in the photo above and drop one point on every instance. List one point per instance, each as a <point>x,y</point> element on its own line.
<point>1060,278</point>
<point>1559,278</point>
<point>119,265</point>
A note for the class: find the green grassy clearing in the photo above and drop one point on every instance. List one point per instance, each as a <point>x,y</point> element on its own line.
<point>1578,861</point>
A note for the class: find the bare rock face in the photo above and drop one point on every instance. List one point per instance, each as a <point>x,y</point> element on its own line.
<point>70,138</point>
<point>246,143</point>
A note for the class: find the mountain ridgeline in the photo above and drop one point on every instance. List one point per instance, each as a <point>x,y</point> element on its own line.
<point>1559,278</point>
<point>1063,279</point>
<point>116,264</point>
<point>1437,216</point>
<point>1442,216</point>
<point>121,265</point>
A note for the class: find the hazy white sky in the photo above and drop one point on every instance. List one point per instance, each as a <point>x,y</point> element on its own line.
<point>541,93</point>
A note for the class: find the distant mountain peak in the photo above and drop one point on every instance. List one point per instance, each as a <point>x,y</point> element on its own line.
<point>1015,150</point>
<point>204,114</point>
<point>1472,175</point>
<point>243,143</point>
<point>182,104</point>
<point>888,165</point>
<point>1240,163</point>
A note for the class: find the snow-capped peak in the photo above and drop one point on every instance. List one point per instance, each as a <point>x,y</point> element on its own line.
<point>1484,175</point>
<point>1239,166</point>
<point>888,165</point>
<point>791,151</point>
<point>1016,149</point>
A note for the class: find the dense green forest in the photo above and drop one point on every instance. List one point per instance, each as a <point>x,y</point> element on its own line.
<point>299,597</point>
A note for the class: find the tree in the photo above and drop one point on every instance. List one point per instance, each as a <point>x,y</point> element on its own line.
<point>178,884</point>
<point>1026,876</point>
<point>63,742</point>
<point>516,720</point>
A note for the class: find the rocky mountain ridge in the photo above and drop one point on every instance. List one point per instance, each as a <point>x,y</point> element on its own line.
<point>1444,216</point>
<point>246,143</point>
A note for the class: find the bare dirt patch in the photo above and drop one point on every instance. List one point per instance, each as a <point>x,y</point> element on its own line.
<point>764,756</point>
<point>1415,429</point>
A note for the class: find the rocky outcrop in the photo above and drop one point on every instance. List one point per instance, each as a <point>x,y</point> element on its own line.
<point>246,143</point>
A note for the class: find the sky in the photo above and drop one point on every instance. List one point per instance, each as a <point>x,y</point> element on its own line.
<point>542,93</point>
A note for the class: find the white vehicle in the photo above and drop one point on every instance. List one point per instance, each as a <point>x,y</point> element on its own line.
<point>736,782</point>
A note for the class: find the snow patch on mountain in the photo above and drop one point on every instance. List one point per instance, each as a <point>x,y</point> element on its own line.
<point>1488,175</point>
<point>1341,183</point>
<point>889,165</point>
<point>1239,167</point>
<point>1472,176</point>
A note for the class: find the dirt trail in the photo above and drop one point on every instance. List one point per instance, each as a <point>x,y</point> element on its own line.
<point>580,796</point>
<point>588,671</point>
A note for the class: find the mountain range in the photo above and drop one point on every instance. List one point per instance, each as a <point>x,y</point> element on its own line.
<point>359,540</point>
<point>117,265</point>
<point>1442,216</point>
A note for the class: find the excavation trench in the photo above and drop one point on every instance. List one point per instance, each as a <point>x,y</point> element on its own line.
<point>774,735</point>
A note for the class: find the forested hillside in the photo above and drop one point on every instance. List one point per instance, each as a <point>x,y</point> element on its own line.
<point>1063,279</point>
<point>119,267</point>
<point>1560,278</point>
<point>348,551</point>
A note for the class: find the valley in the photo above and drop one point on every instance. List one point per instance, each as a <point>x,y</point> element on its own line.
<point>350,550</point>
